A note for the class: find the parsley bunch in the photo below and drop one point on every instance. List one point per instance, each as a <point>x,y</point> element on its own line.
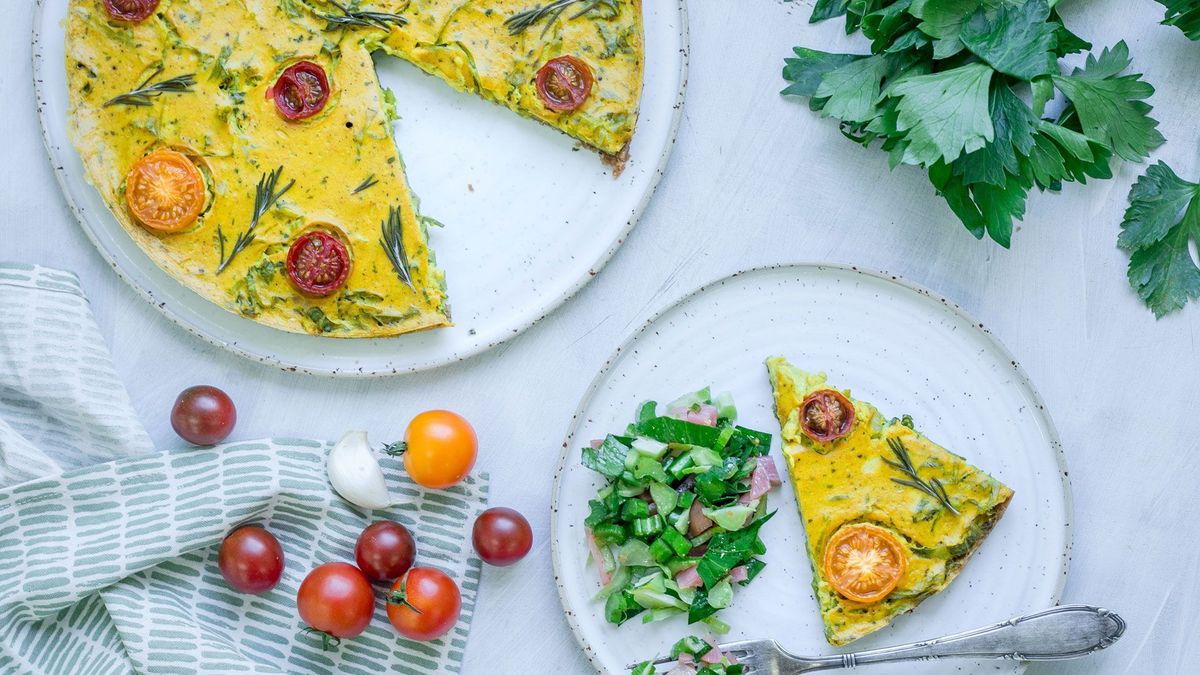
<point>1184,15</point>
<point>963,88</point>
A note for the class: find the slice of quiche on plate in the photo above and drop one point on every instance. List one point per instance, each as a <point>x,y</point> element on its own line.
<point>890,517</point>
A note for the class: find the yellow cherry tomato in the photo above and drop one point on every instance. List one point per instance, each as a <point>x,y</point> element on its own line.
<point>440,448</point>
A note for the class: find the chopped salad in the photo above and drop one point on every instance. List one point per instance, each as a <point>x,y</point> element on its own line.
<point>676,528</point>
<point>694,656</point>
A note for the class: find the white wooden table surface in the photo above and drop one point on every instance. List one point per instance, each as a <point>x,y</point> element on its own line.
<point>756,179</point>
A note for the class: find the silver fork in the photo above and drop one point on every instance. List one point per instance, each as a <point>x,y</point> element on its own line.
<point>1064,632</point>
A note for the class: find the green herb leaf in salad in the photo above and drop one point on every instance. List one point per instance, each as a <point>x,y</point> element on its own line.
<point>676,526</point>
<point>964,90</point>
<point>696,655</point>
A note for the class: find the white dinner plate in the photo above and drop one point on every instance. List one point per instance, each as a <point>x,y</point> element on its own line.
<point>900,347</point>
<point>528,219</point>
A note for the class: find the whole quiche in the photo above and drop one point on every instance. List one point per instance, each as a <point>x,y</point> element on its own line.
<point>246,145</point>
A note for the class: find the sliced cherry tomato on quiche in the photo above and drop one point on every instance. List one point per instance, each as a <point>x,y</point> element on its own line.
<point>863,563</point>
<point>318,263</point>
<point>826,415</point>
<point>564,83</point>
<point>165,191</point>
<point>130,11</point>
<point>301,91</point>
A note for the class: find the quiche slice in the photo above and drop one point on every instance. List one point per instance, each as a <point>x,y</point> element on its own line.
<point>890,517</point>
<point>246,145</point>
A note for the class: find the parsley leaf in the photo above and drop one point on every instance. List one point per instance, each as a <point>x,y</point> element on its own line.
<point>1184,15</point>
<point>944,113</point>
<point>850,93</point>
<point>809,66</point>
<point>1014,125</point>
<point>1015,40</point>
<point>1110,106</point>
<point>1163,217</point>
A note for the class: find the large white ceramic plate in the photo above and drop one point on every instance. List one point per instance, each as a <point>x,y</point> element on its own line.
<point>529,220</point>
<point>900,347</point>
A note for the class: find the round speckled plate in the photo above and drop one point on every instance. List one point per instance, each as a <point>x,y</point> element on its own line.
<point>900,347</point>
<point>528,220</point>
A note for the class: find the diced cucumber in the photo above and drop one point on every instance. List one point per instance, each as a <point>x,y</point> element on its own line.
<point>644,528</point>
<point>665,497</point>
<point>686,401</point>
<point>725,407</point>
<point>732,518</point>
<point>678,543</point>
<point>648,447</point>
<point>661,551</point>
<point>633,509</point>
<point>612,534</point>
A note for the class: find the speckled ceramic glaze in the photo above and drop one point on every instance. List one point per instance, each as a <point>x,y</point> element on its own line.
<point>900,347</point>
<point>529,217</point>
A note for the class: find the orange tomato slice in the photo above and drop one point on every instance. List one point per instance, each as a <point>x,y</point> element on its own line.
<point>863,563</point>
<point>165,191</point>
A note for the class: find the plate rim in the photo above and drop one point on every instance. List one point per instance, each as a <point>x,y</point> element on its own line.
<point>878,274</point>
<point>167,309</point>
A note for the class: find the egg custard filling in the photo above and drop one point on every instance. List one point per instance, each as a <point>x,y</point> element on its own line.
<point>890,517</point>
<point>246,145</point>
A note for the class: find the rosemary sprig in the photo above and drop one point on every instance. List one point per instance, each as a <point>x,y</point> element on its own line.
<point>393,244</point>
<point>145,91</point>
<point>370,181</point>
<point>357,17</point>
<point>551,12</point>
<point>933,487</point>
<point>265,196</point>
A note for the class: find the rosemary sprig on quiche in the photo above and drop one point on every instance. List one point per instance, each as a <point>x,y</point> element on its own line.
<point>359,17</point>
<point>145,92</point>
<point>392,242</point>
<point>551,12</point>
<point>368,182</point>
<point>932,487</point>
<point>265,196</point>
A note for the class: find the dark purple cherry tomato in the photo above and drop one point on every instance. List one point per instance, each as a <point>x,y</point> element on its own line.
<point>203,415</point>
<point>385,550</point>
<point>501,536</point>
<point>251,559</point>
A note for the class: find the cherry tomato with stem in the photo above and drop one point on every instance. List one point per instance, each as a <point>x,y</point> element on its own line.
<point>251,560</point>
<point>385,550</point>
<point>424,604</point>
<point>203,415</point>
<point>439,448</point>
<point>337,601</point>
<point>501,536</point>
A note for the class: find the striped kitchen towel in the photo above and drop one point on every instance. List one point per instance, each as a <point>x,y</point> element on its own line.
<point>111,567</point>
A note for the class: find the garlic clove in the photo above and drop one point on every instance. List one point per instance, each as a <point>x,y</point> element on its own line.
<point>355,474</point>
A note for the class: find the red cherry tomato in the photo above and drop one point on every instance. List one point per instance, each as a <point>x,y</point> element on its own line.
<point>501,536</point>
<point>385,550</point>
<point>251,559</point>
<point>130,11</point>
<point>424,604</point>
<point>564,83</point>
<point>826,415</point>
<point>318,264</point>
<point>203,415</point>
<point>336,600</point>
<point>301,91</point>
<point>439,448</point>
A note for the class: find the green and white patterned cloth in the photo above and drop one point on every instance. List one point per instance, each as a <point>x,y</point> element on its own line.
<point>109,550</point>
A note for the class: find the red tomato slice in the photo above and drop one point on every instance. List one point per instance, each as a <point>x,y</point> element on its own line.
<point>318,264</point>
<point>826,415</point>
<point>301,91</point>
<point>564,83</point>
<point>130,11</point>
